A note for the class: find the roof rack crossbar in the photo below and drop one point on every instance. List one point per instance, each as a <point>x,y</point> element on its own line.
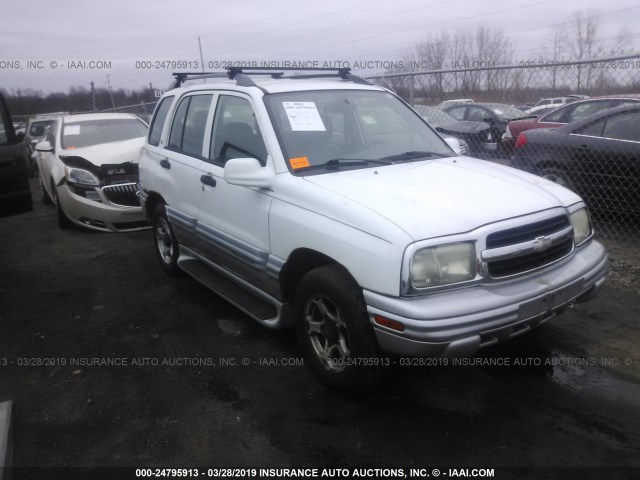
<point>181,77</point>
<point>242,75</point>
<point>353,78</point>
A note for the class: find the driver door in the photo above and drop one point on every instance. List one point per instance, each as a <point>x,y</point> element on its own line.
<point>233,221</point>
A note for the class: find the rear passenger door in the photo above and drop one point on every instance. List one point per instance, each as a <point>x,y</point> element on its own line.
<point>182,158</point>
<point>233,221</point>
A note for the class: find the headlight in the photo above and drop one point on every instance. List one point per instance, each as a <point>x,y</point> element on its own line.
<point>581,225</point>
<point>78,175</point>
<point>443,265</point>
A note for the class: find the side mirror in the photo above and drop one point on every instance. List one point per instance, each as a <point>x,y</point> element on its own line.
<point>247,172</point>
<point>44,147</point>
<point>454,143</point>
<point>20,137</point>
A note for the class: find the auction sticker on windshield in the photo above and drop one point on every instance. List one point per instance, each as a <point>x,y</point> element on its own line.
<point>304,117</point>
<point>72,130</point>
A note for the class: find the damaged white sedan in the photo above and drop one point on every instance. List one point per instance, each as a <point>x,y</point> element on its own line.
<point>88,168</point>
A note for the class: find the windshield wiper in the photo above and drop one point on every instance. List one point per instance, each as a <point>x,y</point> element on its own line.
<point>413,155</point>
<point>337,163</point>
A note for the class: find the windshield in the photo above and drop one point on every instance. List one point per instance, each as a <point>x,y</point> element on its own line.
<point>333,125</point>
<point>94,132</point>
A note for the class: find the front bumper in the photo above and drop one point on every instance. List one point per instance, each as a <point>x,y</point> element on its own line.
<point>459,322</point>
<point>100,215</point>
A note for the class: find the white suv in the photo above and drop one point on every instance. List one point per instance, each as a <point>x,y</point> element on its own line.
<point>329,204</point>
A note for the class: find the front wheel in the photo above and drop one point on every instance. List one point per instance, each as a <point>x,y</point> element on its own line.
<point>165,242</point>
<point>335,334</point>
<point>46,199</point>
<point>63,221</point>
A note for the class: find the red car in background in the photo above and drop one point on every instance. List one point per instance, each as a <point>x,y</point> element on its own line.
<point>561,116</point>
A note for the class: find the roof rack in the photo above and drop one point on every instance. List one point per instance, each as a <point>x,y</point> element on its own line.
<point>242,78</point>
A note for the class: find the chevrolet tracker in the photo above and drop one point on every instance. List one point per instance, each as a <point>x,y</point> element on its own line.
<point>321,201</point>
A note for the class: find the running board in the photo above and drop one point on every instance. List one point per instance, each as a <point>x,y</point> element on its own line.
<point>237,291</point>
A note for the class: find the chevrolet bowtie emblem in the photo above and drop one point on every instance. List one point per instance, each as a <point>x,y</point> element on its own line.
<point>541,243</point>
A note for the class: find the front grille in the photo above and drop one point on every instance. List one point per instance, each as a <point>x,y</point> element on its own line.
<point>531,261</point>
<point>124,195</point>
<point>521,259</point>
<point>527,232</point>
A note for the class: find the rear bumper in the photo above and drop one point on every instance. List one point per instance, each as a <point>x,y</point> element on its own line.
<point>460,322</point>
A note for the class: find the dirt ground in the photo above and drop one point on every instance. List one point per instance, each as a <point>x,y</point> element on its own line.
<point>109,362</point>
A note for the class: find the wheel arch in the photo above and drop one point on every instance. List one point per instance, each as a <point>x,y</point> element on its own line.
<point>153,200</point>
<point>300,262</point>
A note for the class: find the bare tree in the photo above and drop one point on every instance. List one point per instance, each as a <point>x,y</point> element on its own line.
<point>584,40</point>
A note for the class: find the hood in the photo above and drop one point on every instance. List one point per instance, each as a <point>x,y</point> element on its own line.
<point>109,153</point>
<point>446,196</point>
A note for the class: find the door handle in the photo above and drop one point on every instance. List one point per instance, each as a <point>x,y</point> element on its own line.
<point>165,164</point>
<point>208,180</point>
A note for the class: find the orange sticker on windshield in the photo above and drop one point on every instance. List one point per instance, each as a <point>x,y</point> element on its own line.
<point>299,162</point>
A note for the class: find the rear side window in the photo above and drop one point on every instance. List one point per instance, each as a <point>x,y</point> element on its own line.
<point>623,127</point>
<point>155,131</point>
<point>189,122</point>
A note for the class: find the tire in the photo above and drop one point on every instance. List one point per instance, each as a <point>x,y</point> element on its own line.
<point>63,221</point>
<point>557,176</point>
<point>333,329</point>
<point>46,199</point>
<point>165,242</point>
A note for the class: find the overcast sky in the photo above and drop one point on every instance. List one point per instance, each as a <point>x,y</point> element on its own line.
<point>43,42</point>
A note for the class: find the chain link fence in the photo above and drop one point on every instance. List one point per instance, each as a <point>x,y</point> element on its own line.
<point>575,123</point>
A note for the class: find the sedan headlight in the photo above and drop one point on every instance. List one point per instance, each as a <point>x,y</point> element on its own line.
<point>78,175</point>
<point>443,265</point>
<point>581,225</point>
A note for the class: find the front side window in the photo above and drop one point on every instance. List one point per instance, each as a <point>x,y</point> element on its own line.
<point>235,133</point>
<point>39,129</point>
<point>350,129</point>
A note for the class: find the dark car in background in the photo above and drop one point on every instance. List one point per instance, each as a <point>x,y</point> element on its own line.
<point>15,196</point>
<point>476,135</point>
<point>598,157</point>
<point>561,116</point>
<point>496,115</point>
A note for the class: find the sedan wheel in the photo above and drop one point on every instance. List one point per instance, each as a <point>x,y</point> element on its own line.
<point>46,199</point>
<point>63,221</point>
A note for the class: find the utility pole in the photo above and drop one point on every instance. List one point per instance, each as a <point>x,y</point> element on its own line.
<point>110,92</point>
<point>201,58</point>
<point>93,98</point>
